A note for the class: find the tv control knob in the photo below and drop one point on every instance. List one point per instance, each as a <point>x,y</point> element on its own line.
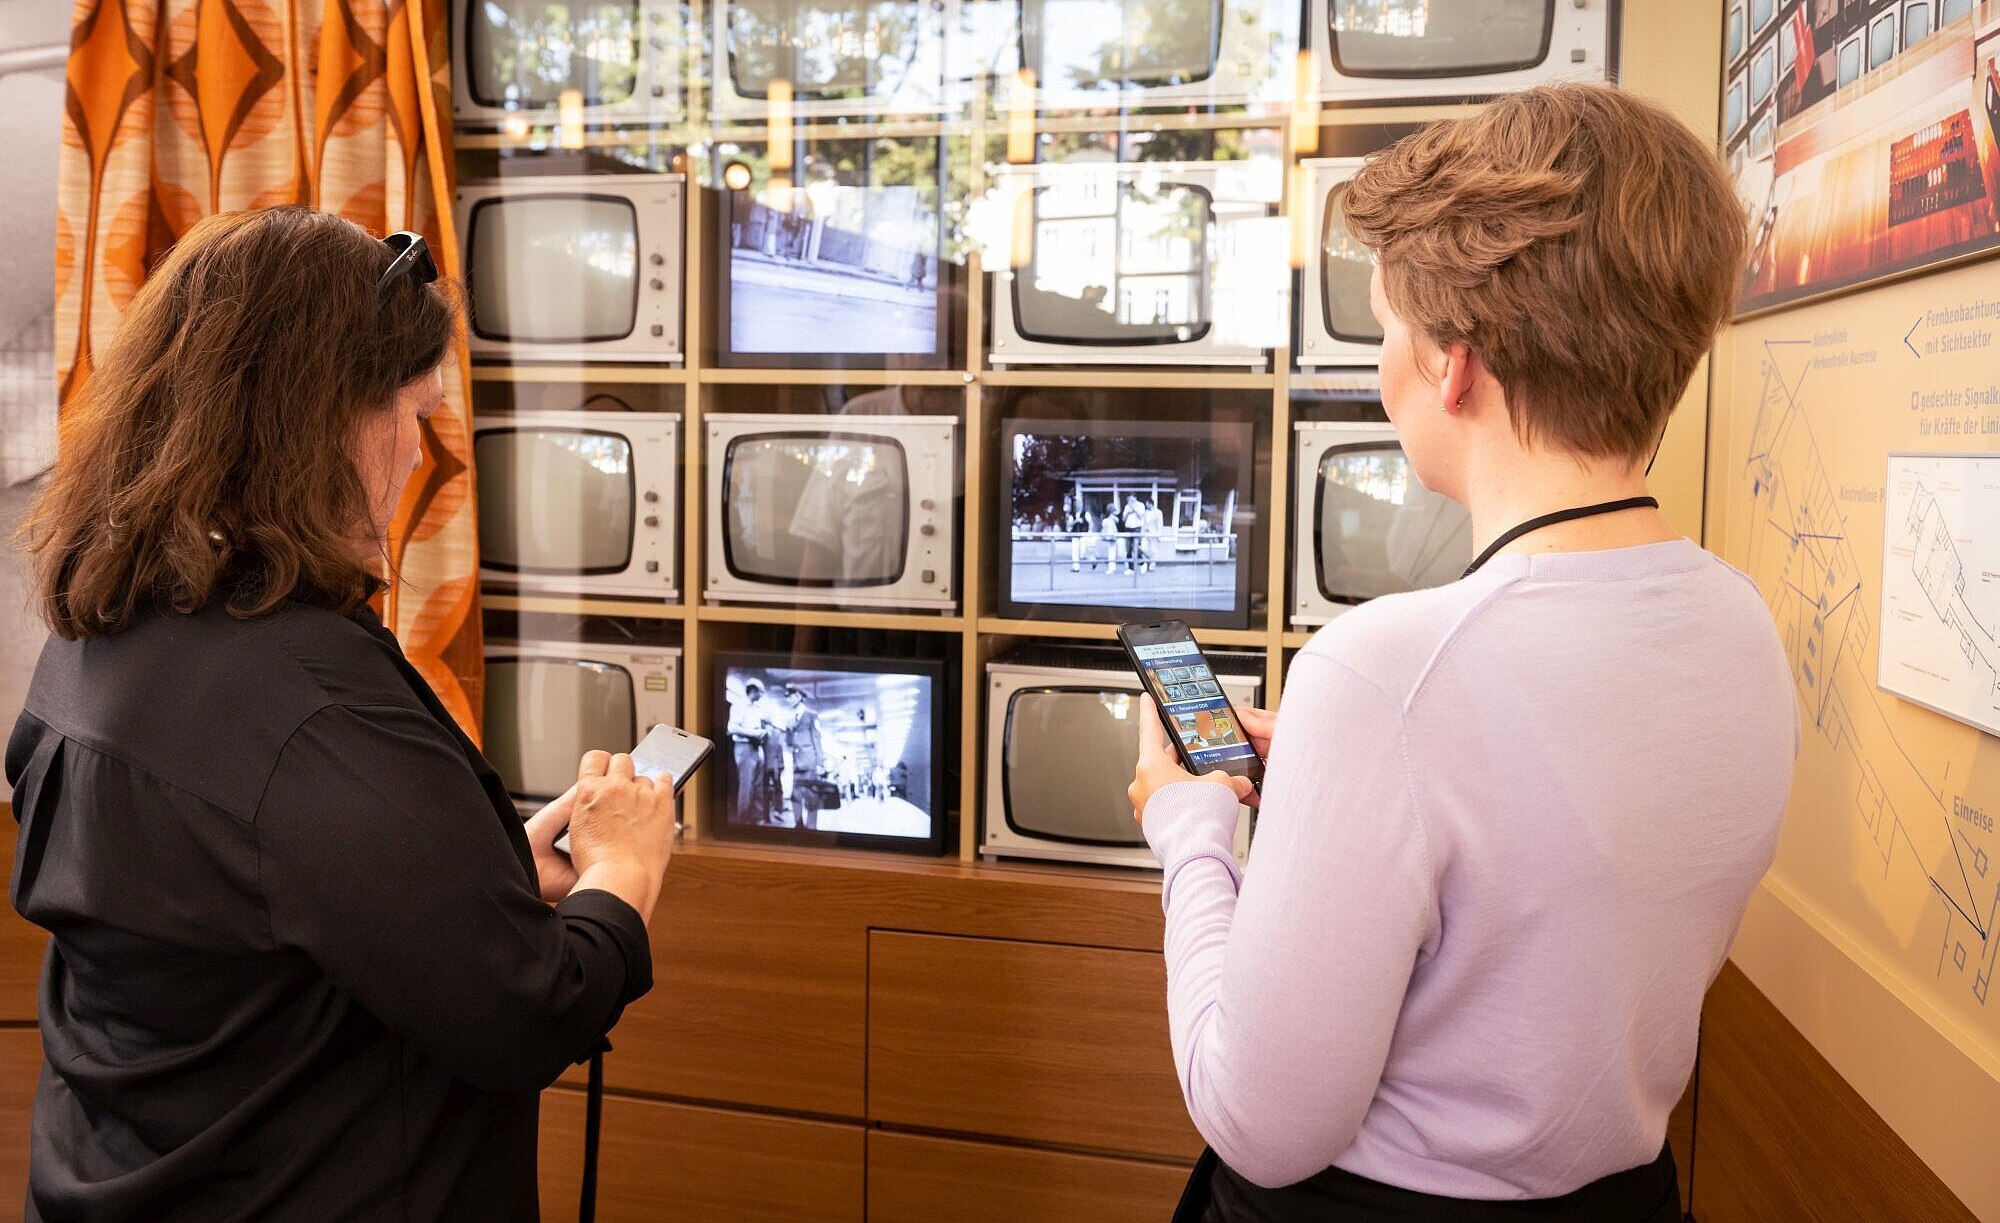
<point>657,259</point>
<point>927,503</point>
<point>651,495</point>
<point>657,283</point>
<point>927,529</point>
<point>652,566</point>
<point>652,520</point>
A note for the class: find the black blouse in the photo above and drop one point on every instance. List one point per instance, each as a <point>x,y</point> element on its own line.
<point>300,969</point>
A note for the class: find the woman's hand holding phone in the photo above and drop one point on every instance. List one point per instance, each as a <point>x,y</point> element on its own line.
<point>621,830</point>
<point>1159,766</point>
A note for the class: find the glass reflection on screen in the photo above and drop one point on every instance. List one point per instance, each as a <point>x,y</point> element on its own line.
<point>1119,44</point>
<point>816,512</point>
<point>826,49</point>
<point>1057,741</point>
<point>1346,267</point>
<point>554,500</point>
<point>1423,38</point>
<point>1381,531</point>
<point>525,53</point>
<point>1116,263</point>
<point>555,269</point>
<point>543,714</point>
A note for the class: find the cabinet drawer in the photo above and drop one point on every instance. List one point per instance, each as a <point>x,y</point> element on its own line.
<point>1053,1044</point>
<point>702,1165</point>
<point>920,1179</point>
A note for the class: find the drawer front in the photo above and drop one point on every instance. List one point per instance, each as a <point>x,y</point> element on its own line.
<point>671,1161</point>
<point>920,1179</point>
<point>1052,1044</point>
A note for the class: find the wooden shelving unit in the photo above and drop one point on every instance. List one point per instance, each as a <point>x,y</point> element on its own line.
<point>981,632</point>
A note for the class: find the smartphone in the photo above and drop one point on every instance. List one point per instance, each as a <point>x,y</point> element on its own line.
<point>1200,722</point>
<point>666,751</point>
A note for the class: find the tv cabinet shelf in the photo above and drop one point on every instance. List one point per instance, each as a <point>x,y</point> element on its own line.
<point>575,605</point>
<point>787,614</point>
<point>673,375</point>
<point>836,377</point>
<point>1136,378</point>
<point>1084,631</point>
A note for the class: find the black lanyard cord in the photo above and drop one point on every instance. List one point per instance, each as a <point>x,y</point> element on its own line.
<point>1549,520</point>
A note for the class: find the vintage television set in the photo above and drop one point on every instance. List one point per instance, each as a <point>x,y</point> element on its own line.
<point>1060,721</point>
<point>574,267</point>
<point>835,750</point>
<point>582,502</point>
<point>1365,525</point>
<point>604,61</point>
<point>550,699</point>
<point>1111,520</point>
<point>1336,325</point>
<point>827,58</point>
<point>1400,51</point>
<point>835,273</point>
<point>1132,54</point>
<point>1137,264</point>
<point>840,511</point>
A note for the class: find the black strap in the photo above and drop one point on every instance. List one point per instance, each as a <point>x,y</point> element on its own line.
<point>593,1118</point>
<point>1549,520</point>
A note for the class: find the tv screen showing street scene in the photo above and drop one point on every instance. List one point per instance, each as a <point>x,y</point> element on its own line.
<point>815,509</point>
<point>830,746</point>
<point>1106,516</point>
<point>834,268</point>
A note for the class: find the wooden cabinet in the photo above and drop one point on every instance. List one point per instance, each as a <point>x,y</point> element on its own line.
<point>1043,1043</point>
<point>22,946</point>
<point>922,1179</point>
<point>699,1165</point>
<point>20,1067</point>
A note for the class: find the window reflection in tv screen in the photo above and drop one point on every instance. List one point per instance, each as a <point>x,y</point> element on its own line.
<point>543,714</point>
<point>828,50</point>
<point>554,268</point>
<point>1380,530</point>
<point>816,509</point>
<point>525,53</point>
<point>1430,38</point>
<point>836,269</point>
<point>554,500</point>
<point>1120,44</point>
<point>1116,263</point>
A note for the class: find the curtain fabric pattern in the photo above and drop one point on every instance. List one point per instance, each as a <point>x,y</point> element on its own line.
<point>177,109</point>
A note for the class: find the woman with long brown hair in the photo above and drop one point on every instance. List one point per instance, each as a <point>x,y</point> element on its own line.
<point>304,962</point>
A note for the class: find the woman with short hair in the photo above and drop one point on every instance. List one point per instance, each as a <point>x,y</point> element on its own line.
<point>304,962</point>
<point>1510,824</point>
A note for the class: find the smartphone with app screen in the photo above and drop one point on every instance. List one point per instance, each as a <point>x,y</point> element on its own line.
<point>1199,720</point>
<point>666,752</point>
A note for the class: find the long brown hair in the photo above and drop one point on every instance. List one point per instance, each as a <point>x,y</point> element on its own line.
<point>209,455</point>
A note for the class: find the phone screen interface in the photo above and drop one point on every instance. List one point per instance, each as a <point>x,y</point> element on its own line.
<point>1192,699</point>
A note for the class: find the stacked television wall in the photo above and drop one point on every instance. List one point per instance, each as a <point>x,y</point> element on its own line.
<point>846,370</point>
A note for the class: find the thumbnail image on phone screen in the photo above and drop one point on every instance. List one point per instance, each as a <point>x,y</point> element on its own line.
<point>1200,721</point>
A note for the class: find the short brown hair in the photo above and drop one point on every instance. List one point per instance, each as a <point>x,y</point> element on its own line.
<point>1582,241</point>
<point>209,454</point>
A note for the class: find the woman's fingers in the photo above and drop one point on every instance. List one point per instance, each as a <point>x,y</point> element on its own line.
<point>593,764</point>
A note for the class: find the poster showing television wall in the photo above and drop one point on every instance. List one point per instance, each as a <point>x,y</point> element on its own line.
<point>1864,138</point>
<point>833,254</point>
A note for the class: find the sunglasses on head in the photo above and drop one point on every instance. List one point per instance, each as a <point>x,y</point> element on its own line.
<point>413,259</point>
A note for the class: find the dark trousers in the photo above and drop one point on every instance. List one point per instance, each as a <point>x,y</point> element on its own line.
<point>1646,1194</point>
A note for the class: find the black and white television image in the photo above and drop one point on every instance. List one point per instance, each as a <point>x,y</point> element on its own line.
<point>819,509</point>
<point>834,273</point>
<point>825,748</point>
<point>1111,515</point>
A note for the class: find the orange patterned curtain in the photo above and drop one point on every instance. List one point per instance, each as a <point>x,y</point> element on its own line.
<point>177,109</point>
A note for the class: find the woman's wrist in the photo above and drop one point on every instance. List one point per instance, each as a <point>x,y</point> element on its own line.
<point>625,878</point>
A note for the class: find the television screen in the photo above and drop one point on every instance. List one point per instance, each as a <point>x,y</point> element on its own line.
<point>1110,515</point>
<point>543,714</point>
<point>837,269</point>
<point>815,509</point>
<point>828,49</point>
<point>1120,44</point>
<point>1380,530</point>
<point>526,53</point>
<point>554,500</point>
<point>1054,783</point>
<point>1346,267</point>
<point>831,747</point>
<point>1116,263</point>
<point>554,268</point>
<point>1431,38</point>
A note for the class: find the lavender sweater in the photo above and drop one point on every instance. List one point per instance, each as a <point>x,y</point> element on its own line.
<point>1509,828</point>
